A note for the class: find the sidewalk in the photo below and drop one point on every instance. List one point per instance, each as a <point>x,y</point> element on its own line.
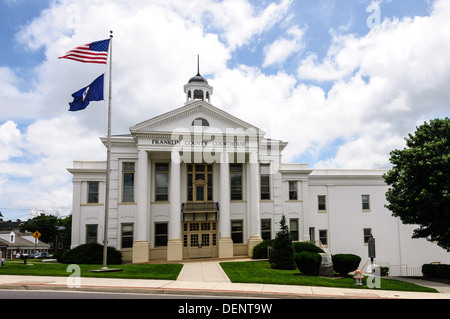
<point>208,278</point>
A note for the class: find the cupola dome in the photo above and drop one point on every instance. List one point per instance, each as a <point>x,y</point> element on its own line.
<point>198,88</point>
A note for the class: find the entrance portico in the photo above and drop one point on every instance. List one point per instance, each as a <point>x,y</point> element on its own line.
<point>199,222</point>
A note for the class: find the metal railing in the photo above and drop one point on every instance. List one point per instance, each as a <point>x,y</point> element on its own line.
<point>396,270</point>
<point>405,271</point>
<point>200,207</point>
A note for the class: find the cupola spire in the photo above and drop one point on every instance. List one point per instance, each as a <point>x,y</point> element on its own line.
<point>197,87</point>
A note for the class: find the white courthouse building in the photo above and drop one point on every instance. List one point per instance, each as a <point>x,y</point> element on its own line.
<point>197,182</point>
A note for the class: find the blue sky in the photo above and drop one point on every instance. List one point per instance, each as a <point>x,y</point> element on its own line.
<point>342,81</point>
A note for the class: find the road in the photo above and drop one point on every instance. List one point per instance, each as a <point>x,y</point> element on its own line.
<point>45,294</point>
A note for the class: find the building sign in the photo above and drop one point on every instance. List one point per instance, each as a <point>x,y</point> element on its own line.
<point>198,143</point>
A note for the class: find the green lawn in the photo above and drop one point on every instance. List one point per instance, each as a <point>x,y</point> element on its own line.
<point>260,272</point>
<point>242,272</point>
<point>143,271</point>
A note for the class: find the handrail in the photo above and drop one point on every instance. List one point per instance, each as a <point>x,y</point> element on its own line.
<point>200,207</point>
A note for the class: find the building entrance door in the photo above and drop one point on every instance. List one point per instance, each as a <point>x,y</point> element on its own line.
<point>200,238</point>
<point>199,213</point>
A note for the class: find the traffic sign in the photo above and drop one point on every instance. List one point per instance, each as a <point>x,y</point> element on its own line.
<point>36,234</point>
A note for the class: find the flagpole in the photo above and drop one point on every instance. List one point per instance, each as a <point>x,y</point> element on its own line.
<point>108,161</point>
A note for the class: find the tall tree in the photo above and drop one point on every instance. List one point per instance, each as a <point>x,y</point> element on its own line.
<point>419,181</point>
<point>282,256</point>
<point>47,225</point>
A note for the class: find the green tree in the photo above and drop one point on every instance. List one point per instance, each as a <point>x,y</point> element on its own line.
<point>65,230</point>
<point>282,256</point>
<point>47,225</point>
<point>419,181</point>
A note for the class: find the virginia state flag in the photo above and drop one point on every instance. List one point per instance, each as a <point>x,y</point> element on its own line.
<point>92,92</point>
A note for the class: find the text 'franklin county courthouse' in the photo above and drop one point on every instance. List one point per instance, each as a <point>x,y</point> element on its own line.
<point>197,182</point>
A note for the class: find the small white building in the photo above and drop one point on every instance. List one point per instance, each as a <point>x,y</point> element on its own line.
<point>197,182</point>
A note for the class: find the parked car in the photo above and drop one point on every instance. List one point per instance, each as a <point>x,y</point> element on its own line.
<point>44,255</point>
<point>39,255</point>
<point>34,255</point>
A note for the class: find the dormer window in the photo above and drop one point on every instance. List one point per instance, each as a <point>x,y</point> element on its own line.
<point>200,121</point>
<point>12,237</point>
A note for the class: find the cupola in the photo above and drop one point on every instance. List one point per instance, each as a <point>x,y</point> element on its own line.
<point>198,88</point>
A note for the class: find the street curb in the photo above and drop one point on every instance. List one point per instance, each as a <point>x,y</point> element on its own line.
<point>181,291</point>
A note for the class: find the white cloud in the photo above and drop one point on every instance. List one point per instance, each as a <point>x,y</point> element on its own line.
<point>396,76</point>
<point>9,140</point>
<point>42,155</point>
<point>282,48</point>
<point>240,22</point>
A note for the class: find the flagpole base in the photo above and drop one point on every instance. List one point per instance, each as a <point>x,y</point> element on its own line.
<point>106,269</point>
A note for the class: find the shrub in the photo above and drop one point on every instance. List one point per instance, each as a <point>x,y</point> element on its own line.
<point>384,271</point>
<point>282,256</point>
<point>91,253</point>
<point>308,262</point>
<point>58,255</point>
<point>345,263</point>
<point>436,270</point>
<point>260,250</point>
<point>443,271</point>
<point>307,246</point>
<point>429,270</point>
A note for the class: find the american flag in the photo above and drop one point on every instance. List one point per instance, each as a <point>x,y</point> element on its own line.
<point>95,52</point>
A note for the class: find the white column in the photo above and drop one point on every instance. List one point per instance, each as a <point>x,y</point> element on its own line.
<point>175,244</point>
<point>255,220</point>
<point>76,214</point>
<point>225,241</point>
<point>141,248</point>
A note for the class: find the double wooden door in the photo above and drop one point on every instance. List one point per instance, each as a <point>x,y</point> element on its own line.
<point>200,239</point>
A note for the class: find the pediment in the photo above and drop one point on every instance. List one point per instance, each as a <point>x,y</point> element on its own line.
<point>183,118</point>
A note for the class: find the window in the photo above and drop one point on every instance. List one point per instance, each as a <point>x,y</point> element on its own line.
<point>161,182</point>
<point>127,236</point>
<point>128,182</point>
<point>200,183</point>
<point>323,236</point>
<point>91,233</point>
<point>322,203</point>
<point>92,192</point>
<point>161,234</point>
<point>293,227</point>
<point>237,231</point>
<point>265,181</point>
<point>266,232</point>
<point>200,121</point>
<point>367,234</point>
<point>236,181</point>
<point>293,195</point>
<point>365,202</point>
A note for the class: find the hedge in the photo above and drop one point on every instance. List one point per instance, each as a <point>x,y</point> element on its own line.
<point>260,250</point>
<point>307,246</point>
<point>308,262</point>
<point>345,263</point>
<point>90,253</point>
<point>436,271</point>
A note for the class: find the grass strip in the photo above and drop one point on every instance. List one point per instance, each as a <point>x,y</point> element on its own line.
<point>260,272</point>
<point>137,271</point>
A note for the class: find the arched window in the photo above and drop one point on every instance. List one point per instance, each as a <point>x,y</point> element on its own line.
<point>200,121</point>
